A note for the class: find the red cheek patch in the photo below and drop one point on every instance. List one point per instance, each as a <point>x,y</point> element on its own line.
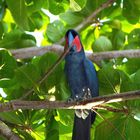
<point>77,43</point>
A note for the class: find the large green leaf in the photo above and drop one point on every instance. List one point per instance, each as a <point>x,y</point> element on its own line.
<point>11,117</point>
<point>109,80</point>
<point>102,44</point>
<point>17,39</point>
<point>19,12</point>
<point>52,129</point>
<point>134,36</point>
<point>52,84</point>
<point>118,128</point>
<point>131,65</point>
<point>27,76</point>
<point>77,5</point>
<point>71,18</point>
<point>57,6</point>
<point>7,64</point>
<point>1,30</point>
<point>2,9</point>
<point>37,20</point>
<point>55,31</point>
<point>118,39</point>
<point>64,88</point>
<point>25,134</point>
<point>126,83</point>
<point>137,79</point>
<point>6,83</point>
<point>132,8</point>
<point>35,5</point>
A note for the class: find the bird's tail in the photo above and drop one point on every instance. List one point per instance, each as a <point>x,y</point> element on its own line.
<point>81,128</point>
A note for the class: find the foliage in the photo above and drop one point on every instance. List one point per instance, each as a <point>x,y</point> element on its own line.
<point>114,28</point>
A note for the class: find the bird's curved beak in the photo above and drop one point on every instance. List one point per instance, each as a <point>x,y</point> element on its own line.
<point>70,39</point>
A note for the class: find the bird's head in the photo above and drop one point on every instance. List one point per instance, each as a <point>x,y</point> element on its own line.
<point>73,42</point>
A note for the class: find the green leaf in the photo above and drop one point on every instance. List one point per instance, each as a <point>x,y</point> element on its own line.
<point>109,80</point>
<point>56,7</point>
<point>77,5</point>
<point>65,117</point>
<point>2,8</point>
<point>6,83</point>
<point>116,24</point>
<point>102,44</point>
<point>137,79</point>
<point>127,66</point>
<point>7,64</point>
<point>27,76</point>
<point>52,130</point>
<point>1,30</point>
<point>118,39</point>
<point>26,135</point>
<point>11,117</point>
<point>19,12</point>
<point>126,83</point>
<point>71,18</point>
<point>117,128</point>
<point>131,8</point>
<point>17,39</point>
<point>134,36</point>
<point>36,21</point>
<point>64,88</point>
<point>52,83</point>
<point>55,31</point>
<point>35,5</point>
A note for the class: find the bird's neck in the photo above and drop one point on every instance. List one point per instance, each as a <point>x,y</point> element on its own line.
<point>75,57</point>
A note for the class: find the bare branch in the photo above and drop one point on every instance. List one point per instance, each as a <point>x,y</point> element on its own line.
<point>36,51</point>
<point>7,132</point>
<point>58,49</point>
<point>86,104</point>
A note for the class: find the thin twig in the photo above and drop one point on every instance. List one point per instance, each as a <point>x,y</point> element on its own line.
<point>112,109</point>
<point>86,104</point>
<point>50,70</point>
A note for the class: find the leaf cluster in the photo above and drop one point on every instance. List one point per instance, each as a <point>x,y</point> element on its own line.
<point>114,28</point>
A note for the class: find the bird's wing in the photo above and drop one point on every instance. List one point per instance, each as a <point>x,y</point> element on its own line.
<point>91,77</point>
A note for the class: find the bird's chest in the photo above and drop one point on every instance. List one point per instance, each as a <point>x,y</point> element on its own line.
<point>76,77</point>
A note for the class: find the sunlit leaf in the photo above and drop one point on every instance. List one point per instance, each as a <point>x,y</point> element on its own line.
<point>19,12</point>
<point>77,5</point>
<point>55,31</point>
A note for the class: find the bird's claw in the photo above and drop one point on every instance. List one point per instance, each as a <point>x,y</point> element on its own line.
<point>82,113</point>
<point>87,94</point>
<point>70,100</point>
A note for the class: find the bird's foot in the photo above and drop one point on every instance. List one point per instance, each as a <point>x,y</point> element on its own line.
<point>87,94</point>
<point>72,99</point>
<point>82,113</point>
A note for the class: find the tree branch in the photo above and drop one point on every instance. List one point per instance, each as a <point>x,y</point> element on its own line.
<point>88,20</point>
<point>112,109</point>
<point>58,49</point>
<point>37,51</point>
<point>86,104</point>
<point>7,132</point>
